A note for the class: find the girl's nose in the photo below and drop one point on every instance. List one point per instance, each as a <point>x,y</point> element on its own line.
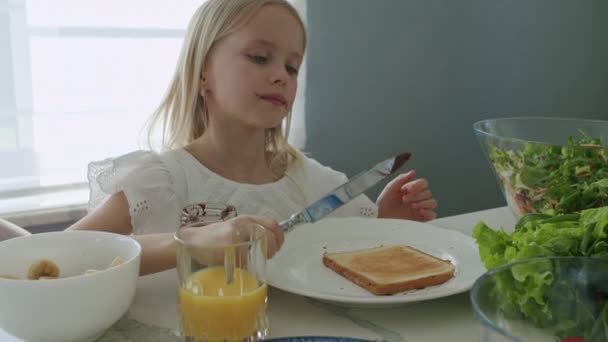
<point>279,76</point>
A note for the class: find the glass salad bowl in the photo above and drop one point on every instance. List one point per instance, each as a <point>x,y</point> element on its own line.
<point>547,165</point>
<point>560,299</point>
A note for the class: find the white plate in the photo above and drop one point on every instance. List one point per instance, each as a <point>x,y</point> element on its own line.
<point>298,268</point>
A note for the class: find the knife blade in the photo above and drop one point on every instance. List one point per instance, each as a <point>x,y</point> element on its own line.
<point>346,192</point>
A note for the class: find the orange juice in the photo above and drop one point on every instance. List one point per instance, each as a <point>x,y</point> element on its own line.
<point>212,310</point>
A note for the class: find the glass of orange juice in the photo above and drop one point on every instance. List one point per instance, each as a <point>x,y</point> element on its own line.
<point>222,277</point>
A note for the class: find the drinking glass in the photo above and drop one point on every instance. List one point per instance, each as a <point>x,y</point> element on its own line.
<point>222,276</point>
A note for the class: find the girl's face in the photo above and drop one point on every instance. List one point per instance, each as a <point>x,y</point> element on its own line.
<point>251,74</point>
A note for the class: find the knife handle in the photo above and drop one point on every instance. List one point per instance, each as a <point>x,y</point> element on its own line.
<point>289,224</point>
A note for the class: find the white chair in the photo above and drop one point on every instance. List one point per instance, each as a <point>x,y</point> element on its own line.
<point>10,230</point>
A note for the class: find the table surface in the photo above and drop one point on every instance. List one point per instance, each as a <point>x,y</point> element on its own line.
<point>153,313</point>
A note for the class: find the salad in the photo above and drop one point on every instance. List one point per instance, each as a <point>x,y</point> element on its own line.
<point>553,179</point>
<point>531,291</point>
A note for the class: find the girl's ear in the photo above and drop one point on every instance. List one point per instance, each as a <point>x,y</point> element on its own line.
<point>203,86</point>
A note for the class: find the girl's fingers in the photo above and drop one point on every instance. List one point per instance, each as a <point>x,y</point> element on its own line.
<point>400,181</point>
<point>415,186</point>
<point>276,232</point>
<point>272,245</point>
<point>417,197</point>
<point>426,215</point>
<point>426,204</point>
<point>275,235</point>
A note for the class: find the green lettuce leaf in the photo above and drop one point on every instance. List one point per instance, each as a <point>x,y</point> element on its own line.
<point>530,290</point>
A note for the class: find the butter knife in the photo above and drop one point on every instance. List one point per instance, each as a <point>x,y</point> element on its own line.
<point>345,192</point>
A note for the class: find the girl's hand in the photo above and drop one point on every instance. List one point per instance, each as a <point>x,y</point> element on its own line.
<point>230,232</point>
<point>274,234</point>
<point>407,198</point>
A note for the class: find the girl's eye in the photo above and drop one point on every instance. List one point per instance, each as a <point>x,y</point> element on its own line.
<point>291,70</point>
<point>258,59</point>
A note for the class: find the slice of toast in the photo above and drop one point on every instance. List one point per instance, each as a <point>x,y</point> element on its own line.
<point>392,269</point>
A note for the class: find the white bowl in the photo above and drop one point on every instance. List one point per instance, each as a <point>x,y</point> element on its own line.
<point>76,307</point>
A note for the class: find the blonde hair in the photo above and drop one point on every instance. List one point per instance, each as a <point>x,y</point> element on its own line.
<point>182,112</point>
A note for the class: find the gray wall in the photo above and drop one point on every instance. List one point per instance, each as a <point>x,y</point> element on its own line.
<point>391,75</point>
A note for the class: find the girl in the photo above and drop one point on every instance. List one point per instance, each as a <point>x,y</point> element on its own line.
<point>9,230</point>
<point>225,121</point>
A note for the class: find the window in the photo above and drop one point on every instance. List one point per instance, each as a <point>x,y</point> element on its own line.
<point>78,80</point>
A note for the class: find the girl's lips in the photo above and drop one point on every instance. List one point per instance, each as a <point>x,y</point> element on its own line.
<point>276,100</point>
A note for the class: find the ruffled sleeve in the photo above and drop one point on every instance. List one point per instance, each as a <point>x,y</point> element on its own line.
<point>146,183</point>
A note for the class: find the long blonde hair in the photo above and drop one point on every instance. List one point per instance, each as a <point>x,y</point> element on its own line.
<point>181,114</point>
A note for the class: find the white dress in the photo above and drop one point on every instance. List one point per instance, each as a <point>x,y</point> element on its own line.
<point>158,186</point>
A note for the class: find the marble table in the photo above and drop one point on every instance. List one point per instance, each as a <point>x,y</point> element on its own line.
<point>445,319</point>
<point>153,313</point>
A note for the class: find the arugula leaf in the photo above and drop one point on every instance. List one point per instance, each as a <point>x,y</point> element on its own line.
<point>554,179</point>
